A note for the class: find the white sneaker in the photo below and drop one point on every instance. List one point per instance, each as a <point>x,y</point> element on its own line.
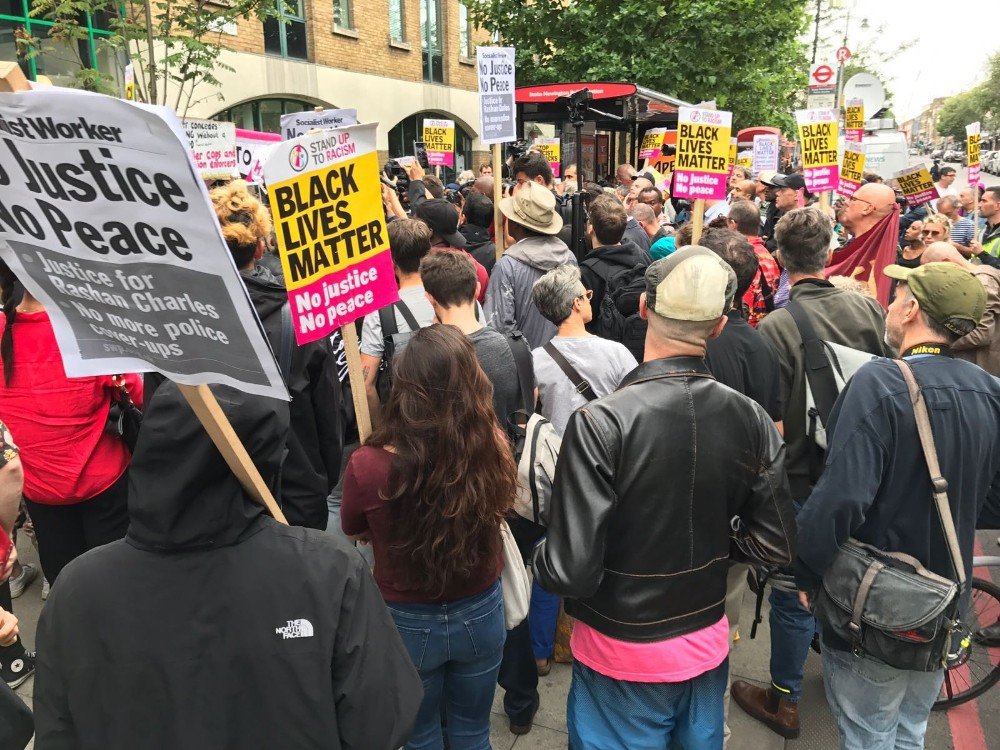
<point>19,583</point>
<point>45,589</point>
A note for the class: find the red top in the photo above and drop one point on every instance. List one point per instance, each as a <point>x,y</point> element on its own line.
<point>59,422</point>
<point>363,510</point>
<point>754,297</point>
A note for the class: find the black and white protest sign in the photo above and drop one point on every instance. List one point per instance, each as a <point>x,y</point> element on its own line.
<point>497,111</point>
<point>104,219</point>
<point>295,124</point>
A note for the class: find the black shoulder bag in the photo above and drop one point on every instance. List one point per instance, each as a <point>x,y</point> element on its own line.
<point>887,605</point>
<point>579,382</point>
<point>393,341</point>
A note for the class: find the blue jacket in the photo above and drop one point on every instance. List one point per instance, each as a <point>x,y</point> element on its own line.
<point>876,487</point>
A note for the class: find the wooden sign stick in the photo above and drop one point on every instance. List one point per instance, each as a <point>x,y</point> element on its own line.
<point>219,429</point>
<point>358,390</point>
<point>498,229</point>
<point>697,220</point>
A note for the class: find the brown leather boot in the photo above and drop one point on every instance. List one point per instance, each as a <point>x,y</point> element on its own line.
<point>767,706</point>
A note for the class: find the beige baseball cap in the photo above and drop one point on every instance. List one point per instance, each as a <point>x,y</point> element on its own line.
<point>691,284</point>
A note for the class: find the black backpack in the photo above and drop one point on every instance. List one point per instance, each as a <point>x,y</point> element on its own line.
<point>393,341</point>
<point>618,319</point>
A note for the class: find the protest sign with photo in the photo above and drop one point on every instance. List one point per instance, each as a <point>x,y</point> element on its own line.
<point>702,166</point>
<point>663,163</point>
<point>854,120</point>
<point>295,124</point>
<point>252,148</point>
<point>818,140</point>
<point>105,220</point>
<point>326,202</point>
<point>652,143</point>
<point>766,148</point>
<point>972,149</point>
<point>852,169</point>
<point>550,150</point>
<point>439,139</point>
<point>497,110</point>
<point>917,185</point>
<point>213,147</point>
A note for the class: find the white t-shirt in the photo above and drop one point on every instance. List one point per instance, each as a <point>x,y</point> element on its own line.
<point>372,342</point>
<point>950,190</point>
<point>600,362</point>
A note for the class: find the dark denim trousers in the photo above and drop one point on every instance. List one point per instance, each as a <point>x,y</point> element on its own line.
<point>456,647</point>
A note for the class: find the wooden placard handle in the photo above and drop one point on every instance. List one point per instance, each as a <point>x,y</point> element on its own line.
<point>221,431</point>
<point>697,220</point>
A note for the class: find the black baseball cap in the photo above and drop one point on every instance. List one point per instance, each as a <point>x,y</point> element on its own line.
<point>793,181</point>
<point>442,218</point>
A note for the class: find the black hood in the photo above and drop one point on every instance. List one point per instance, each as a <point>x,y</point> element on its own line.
<point>182,494</point>
<point>475,236</point>
<point>267,292</point>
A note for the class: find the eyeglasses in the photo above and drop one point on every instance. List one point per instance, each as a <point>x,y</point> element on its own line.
<point>854,198</point>
<point>589,294</point>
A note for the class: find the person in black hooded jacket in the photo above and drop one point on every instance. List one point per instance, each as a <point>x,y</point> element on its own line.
<point>612,253</point>
<point>311,466</point>
<point>477,215</point>
<point>199,641</point>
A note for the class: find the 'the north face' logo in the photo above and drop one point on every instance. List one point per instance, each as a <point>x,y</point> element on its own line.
<point>296,629</point>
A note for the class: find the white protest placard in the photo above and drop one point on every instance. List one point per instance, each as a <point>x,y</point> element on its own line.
<point>213,148</point>
<point>497,110</point>
<point>766,150</point>
<point>295,124</point>
<point>252,149</point>
<point>104,219</point>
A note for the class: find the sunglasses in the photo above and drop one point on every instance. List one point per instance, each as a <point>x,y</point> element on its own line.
<point>589,294</point>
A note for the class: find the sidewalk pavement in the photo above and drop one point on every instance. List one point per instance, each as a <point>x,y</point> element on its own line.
<point>749,661</point>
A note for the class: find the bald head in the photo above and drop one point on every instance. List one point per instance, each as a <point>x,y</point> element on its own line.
<point>484,185</point>
<point>943,252</point>
<point>867,207</point>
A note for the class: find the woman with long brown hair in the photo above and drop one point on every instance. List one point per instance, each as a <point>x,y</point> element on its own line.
<point>430,489</point>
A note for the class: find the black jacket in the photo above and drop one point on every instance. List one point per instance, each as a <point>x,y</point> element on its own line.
<point>770,222</point>
<point>316,439</point>
<point>601,263</point>
<point>637,235</point>
<point>648,480</point>
<point>211,625</point>
<point>479,245</point>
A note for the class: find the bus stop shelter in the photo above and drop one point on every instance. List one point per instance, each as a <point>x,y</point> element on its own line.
<point>618,117</point>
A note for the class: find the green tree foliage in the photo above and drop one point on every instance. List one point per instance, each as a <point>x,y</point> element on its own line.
<point>746,55</point>
<point>173,55</point>
<point>959,111</point>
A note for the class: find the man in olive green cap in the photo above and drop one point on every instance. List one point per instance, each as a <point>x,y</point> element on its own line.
<point>877,489</point>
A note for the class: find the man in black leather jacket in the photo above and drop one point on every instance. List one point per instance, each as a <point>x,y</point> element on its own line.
<point>658,486</point>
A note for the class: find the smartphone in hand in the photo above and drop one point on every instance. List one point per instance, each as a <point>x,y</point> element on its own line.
<point>420,152</point>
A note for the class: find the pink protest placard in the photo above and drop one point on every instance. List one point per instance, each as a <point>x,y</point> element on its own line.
<point>439,138</point>
<point>702,165</point>
<point>818,140</point>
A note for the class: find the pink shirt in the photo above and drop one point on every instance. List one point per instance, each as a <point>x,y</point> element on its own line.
<point>673,660</point>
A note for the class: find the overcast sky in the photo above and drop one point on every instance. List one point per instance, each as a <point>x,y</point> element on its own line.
<point>954,39</point>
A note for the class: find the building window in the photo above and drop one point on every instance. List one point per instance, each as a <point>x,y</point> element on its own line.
<point>285,33</point>
<point>430,41</point>
<point>397,21</point>
<point>465,49</point>
<point>262,114</point>
<point>27,40</point>
<point>343,17</point>
<point>411,129</point>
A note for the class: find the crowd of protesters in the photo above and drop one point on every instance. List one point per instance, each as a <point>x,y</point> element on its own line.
<point>673,375</point>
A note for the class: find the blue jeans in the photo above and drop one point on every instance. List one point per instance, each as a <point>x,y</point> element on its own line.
<point>878,707</point>
<point>608,714</point>
<point>792,631</point>
<point>456,647</point>
<point>542,617</point>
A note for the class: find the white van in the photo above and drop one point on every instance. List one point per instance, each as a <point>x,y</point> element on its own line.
<point>886,153</point>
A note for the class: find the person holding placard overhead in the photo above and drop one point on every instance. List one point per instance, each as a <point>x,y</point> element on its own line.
<point>315,442</point>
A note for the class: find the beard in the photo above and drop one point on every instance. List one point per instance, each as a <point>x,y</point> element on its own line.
<point>893,339</point>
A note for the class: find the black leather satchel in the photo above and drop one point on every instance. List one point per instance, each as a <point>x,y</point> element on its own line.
<point>887,605</point>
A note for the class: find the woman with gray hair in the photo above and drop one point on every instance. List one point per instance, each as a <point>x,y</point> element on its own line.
<point>574,355</point>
